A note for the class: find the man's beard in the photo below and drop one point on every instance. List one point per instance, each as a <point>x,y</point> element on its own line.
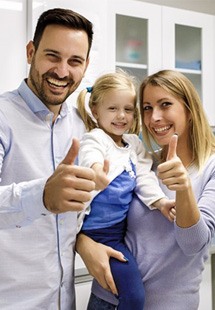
<point>39,87</point>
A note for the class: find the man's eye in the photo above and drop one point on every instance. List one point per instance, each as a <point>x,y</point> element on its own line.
<point>75,62</point>
<point>52,57</point>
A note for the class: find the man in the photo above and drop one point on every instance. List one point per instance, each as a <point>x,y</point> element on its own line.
<point>40,185</point>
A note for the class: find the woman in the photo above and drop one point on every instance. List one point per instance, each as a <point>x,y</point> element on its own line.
<point>171,256</point>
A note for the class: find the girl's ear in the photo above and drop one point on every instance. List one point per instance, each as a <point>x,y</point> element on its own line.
<point>94,112</point>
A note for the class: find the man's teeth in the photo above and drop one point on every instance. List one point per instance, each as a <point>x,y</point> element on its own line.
<point>57,82</point>
<point>162,129</point>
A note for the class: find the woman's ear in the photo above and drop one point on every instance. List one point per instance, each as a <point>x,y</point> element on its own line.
<point>30,51</point>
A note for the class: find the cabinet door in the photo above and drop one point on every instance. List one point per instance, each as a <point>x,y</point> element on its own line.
<point>188,46</point>
<point>134,37</point>
<point>13,61</point>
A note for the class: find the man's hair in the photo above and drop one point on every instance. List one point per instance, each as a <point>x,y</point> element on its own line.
<point>63,17</point>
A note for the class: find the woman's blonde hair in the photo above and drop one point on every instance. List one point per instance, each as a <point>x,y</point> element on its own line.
<point>201,138</point>
<point>119,80</point>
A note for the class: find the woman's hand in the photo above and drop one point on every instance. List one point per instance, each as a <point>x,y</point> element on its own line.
<point>96,257</point>
<point>172,172</point>
<point>175,176</point>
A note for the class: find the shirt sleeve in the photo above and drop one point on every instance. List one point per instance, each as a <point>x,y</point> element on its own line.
<point>193,239</point>
<point>21,204</point>
<point>92,150</point>
<point>147,186</point>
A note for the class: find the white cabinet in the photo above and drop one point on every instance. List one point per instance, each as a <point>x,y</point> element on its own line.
<point>144,38</point>
<point>206,288</point>
<point>134,40</point>
<point>83,291</point>
<point>188,46</point>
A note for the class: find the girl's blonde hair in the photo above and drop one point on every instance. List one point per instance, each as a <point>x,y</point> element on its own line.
<point>119,80</point>
<point>201,138</point>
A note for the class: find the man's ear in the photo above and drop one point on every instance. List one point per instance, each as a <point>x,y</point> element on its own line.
<point>30,51</point>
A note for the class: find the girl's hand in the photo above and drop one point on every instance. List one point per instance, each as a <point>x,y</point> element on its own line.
<point>166,207</point>
<point>101,172</point>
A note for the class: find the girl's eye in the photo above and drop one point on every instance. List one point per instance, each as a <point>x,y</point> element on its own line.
<point>112,108</point>
<point>129,110</point>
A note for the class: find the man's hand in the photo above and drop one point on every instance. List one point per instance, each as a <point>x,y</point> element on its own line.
<point>69,187</point>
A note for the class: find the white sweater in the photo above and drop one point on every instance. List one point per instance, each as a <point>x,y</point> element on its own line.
<point>96,146</point>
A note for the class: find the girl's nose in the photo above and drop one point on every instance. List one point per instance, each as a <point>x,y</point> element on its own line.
<point>121,113</point>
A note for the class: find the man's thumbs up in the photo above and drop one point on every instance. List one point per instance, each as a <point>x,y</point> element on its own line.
<point>70,186</point>
<point>72,153</point>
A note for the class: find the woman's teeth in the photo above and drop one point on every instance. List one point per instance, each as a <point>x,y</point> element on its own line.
<point>162,129</point>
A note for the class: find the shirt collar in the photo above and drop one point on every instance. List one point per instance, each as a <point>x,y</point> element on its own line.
<point>35,104</point>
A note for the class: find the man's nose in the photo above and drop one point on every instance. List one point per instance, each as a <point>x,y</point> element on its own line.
<point>62,69</point>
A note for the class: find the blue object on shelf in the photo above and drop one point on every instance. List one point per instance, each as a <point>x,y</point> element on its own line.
<point>192,65</point>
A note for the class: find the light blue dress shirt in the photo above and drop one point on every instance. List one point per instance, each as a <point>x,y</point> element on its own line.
<point>37,247</point>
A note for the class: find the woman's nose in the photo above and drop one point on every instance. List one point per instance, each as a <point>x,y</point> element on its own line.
<point>156,115</point>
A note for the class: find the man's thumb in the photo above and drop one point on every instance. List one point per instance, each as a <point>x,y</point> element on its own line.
<point>72,153</point>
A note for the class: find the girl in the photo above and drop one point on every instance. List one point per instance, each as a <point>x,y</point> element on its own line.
<point>122,166</point>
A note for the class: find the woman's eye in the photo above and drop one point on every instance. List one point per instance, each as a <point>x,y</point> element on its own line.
<point>146,108</point>
<point>166,104</point>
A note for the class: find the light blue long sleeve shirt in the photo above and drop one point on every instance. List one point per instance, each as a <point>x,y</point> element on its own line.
<point>37,247</point>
